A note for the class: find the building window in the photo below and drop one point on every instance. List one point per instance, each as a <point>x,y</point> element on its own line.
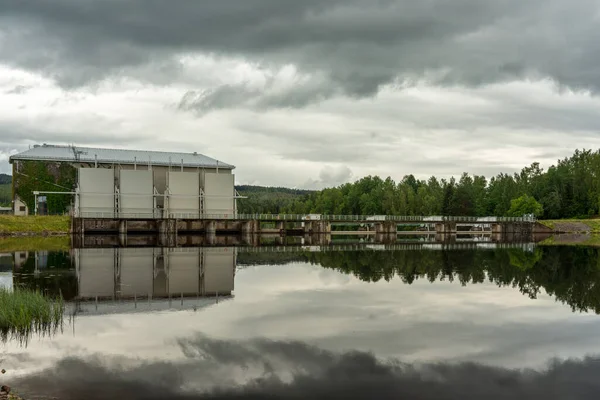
<point>22,208</point>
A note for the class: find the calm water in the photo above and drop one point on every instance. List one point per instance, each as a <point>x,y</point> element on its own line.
<point>196,318</point>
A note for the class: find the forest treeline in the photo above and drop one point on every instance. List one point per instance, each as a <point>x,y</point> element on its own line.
<point>5,189</point>
<point>570,274</point>
<point>263,199</point>
<point>568,189</point>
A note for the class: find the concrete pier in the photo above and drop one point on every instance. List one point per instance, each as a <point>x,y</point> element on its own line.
<point>293,225</point>
<point>445,228</point>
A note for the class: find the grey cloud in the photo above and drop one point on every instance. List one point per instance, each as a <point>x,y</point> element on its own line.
<point>356,45</point>
<point>330,176</point>
<point>268,96</point>
<point>19,89</point>
<point>20,137</point>
<point>211,365</point>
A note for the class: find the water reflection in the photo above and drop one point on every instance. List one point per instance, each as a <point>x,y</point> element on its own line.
<point>414,299</point>
<point>124,277</point>
<point>99,280</point>
<point>570,274</point>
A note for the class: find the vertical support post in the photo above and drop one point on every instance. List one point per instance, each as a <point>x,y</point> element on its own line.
<point>123,227</point>
<point>211,227</point>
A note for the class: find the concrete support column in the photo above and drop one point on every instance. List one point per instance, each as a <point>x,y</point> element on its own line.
<point>385,238</point>
<point>162,226</point>
<point>211,227</point>
<point>167,232</point>
<point>308,227</point>
<point>445,227</point>
<point>211,238</point>
<point>77,226</point>
<point>386,228</point>
<point>250,227</point>
<point>122,239</point>
<point>123,227</point>
<point>280,226</point>
<point>251,239</point>
<point>497,229</point>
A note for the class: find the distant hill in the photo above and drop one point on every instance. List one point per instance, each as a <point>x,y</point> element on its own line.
<point>263,199</point>
<point>4,179</point>
<point>269,189</point>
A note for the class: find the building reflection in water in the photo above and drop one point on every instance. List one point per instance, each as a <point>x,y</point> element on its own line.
<point>107,280</point>
<point>125,273</point>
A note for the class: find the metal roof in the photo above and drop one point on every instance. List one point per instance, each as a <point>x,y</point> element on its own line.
<point>47,152</point>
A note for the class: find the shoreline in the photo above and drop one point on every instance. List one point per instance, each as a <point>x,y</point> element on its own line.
<point>25,234</point>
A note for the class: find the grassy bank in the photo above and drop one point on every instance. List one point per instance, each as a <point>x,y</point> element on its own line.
<point>572,240</point>
<point>34,243</point>
<point>51,224</point>
<point>24,313</point>
<point>573,225</point>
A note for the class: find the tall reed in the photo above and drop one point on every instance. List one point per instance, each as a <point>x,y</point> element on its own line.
<point>24,313</point>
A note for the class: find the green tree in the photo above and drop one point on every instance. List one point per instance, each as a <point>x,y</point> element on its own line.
<point>525,205</point>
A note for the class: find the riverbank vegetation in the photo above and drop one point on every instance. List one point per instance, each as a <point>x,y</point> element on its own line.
<point>581,240</point>
<point>35,243</point>
<point>24,313</point>
<point>573,225</point>
<point>568,189</point>
<point>47,224</point>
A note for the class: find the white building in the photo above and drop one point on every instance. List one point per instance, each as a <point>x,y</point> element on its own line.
<point>138,183</point>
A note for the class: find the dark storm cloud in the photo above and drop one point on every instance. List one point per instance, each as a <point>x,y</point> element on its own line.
<point>314,373</point>
<point>242,95</point>
<point>353,46</point>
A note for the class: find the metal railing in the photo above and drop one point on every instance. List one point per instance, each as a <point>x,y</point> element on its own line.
<point>386,247</point>
<point>364,219</point>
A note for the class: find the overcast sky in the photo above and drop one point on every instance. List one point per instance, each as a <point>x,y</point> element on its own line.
<point>306,93</point>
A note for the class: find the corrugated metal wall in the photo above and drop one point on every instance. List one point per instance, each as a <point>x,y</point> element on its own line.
<point>184,188</point>
<point>96,192</point>
<point>137,197</point>
<point>136,189</point>
<point>218,189</point>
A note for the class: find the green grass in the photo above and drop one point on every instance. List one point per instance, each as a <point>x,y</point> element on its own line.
<point>592,241</point>
<point>594,224</point>
<point>10,224</point>
<point>35,243</point>
<point>24,313</point>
